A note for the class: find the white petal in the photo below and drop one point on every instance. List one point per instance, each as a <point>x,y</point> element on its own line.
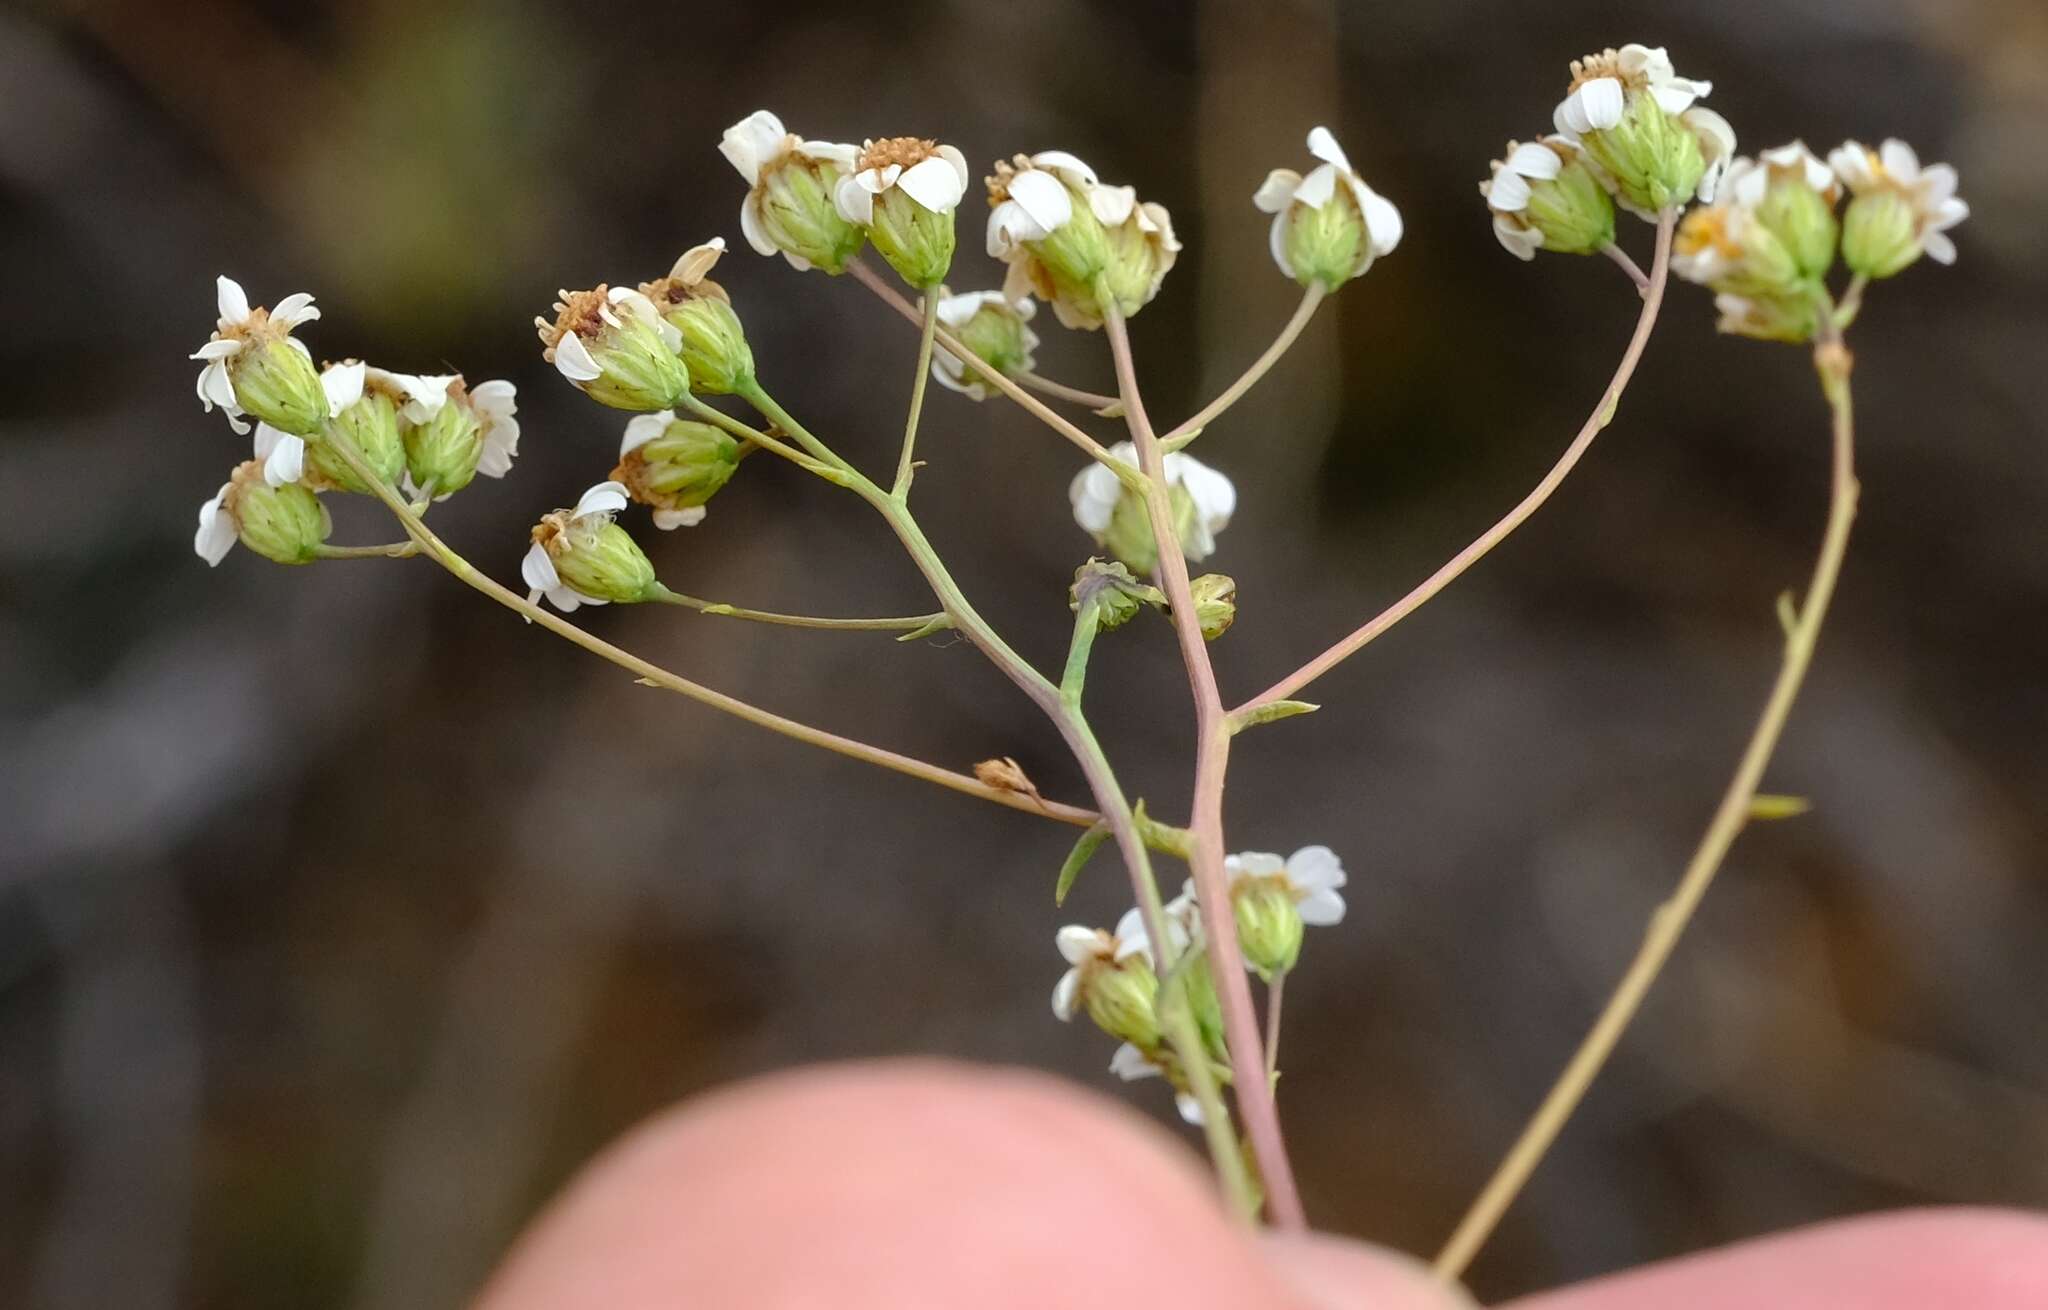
<point>1112,205</point>
<point>1317,188</point>
<point>287,460</point>
<point>1130,1064</point>
<point>877,180</point>
<point>218,348</point>
<point>751,229</point>
<point>216,386</point>
<point>1130,928</point>
<point>1313,868</point>
<point>643,428</point>
<point>833,152</point>
<point>295,309</point>
<point>1190,1108</point>
<point>1214,494</point>
<point>343,384</point>
<point>1254,864</point>
<point>1534,159</point>
<point>1321,909</point>
<point>752,142</point>
<point>1899,160</point>
<point>1938,247</point>
<point>668,520</point>
<point>233,301</point>
<point>1521,242</point>
<point>1043,198</point>
<point>694,265</point>
<point>1277,191</point>
<point>1324,146</point>
<point>959,310</point>
<point>854,201</point>
<point>1508,193</point>
<point>1073,167</point>
<point>1276,242</point>
<point>1093,494</point>
<point>604,498</point>
<point>1382,221</point>
<point>538,569</point>
<point>1066,996</point>
<point>1078,943</point>
<point>573,361</point>
<point>934,183</point>
<point>1674,97</point>
<point>569,600</point>
<point>216,535</point>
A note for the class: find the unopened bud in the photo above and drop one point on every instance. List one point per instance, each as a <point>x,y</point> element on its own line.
<point>675,465</point>
<point>1215,597</point>
<point>366,419</point>
<point>460,433</point>
<point>1123,1000</point>
<point>994,329</point>
<point>1879,236</point>
<point>1269,926</point>
<point>714,346</point>
<point>1116,595</point>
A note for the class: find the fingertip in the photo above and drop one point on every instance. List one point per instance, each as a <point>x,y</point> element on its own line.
<point>1335,1273</point>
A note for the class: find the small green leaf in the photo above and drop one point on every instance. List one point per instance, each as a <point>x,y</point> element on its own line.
<point>939,623</point>
<point>1268,712</point>
<point>1077,860</point>
<point>1764,806</point>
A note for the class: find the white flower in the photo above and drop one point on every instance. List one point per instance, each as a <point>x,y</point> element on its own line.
<point>217,531</point>
<point>936,179</point>
<point>1311,875</point>
<point>1284,188</point>
<point>1036,201</point>
<point>1507,193</point>
<point>1747,180</point>
<point>1596,99</point>
<point>957,312</point>
<point>1131,1064</point>
<point>756,146</point>
<point>601,502</point>
<point>238,322</point>
<point>1087,949</point>
<point>420,395</point>
<point>1096,490</point>
<point>494,404</point>
<point>641,429</point>
<point>1930,190</point>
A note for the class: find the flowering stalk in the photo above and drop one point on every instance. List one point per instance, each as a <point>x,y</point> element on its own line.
<point>656,676</point>
<point>921,625</point>
<point>1602,415</point>
<point>1212,756</point>
<point>905,463</point>
<point>1832,361</point>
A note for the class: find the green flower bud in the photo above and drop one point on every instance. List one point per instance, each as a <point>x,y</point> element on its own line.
<point>285,523</point>
<point>1269,925</point>
<point>1330,226</point>
<point>789,206</point>
<point>1879,234</point>
<point>902,193</point>
<point>1770,318</point>
<point>255,366</point>
<point>1900,211</point>
<point>1215,599</point>
<point>368,421</point>
<point>1544,197</point>
<point>1123,1001</point>
<point>1636,119</point>
<point>675,465</point>
<point>714,346</point>
<point>442,452</point>
<point>1792,196</point>
<point>452,433</point>
<point>1116,595</point>
<point>580,557</point>
<point>615,346</point>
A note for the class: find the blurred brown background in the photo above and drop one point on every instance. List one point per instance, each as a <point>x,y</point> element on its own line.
<point>341,916</point>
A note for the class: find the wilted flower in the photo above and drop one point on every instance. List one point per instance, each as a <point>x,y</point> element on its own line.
<point>1900,210</point>
<point>1637,119</point>
<point>1067,238</point>
<point>617,348</point>
<point>580,557</point>
<point>1328,227</point>
<point>1115,594</point>
<point>791,182</point>
<point>1544,196</point>
<point>995,328</point>
<point>286,523</point>
<point>902,193</point>
<point>1115,515</point>
<point>675,465</point>
<point>714,346</point>
<point>255,366</point>
<point>1215,597</point>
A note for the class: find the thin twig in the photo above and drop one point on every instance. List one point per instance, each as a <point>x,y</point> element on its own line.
<point>1670,919</point>
<point>907,623</point>
<point>1628,266</point>
<point>1107,406</point>
<point>1212,730</point>
<point>1601,416</point>
<point>906,464</point>
<point>1303,312</point>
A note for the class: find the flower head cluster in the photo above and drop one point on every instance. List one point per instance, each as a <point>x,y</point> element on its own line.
<point>1082,246</point>
<point>1330,226</point>
<point>1115,515</point>
<point>580,557</point>
<point>791,205</point>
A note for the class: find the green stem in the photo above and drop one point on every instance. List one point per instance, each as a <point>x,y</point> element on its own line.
<point>1087,621</point>
<point>1192,428</point>
<point>1103,406</point>
<point>754,436</point>
<point>1177,1017</point>
<point>1669,921</point>
<point>908,623</point>
<point>1275,990</point>
<point>655,675</point>
<point>1596,422</point>
<point>396,550</point>
<point>906,462</point>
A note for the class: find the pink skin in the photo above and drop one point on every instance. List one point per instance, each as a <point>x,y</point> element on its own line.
<point>914,1185</point>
